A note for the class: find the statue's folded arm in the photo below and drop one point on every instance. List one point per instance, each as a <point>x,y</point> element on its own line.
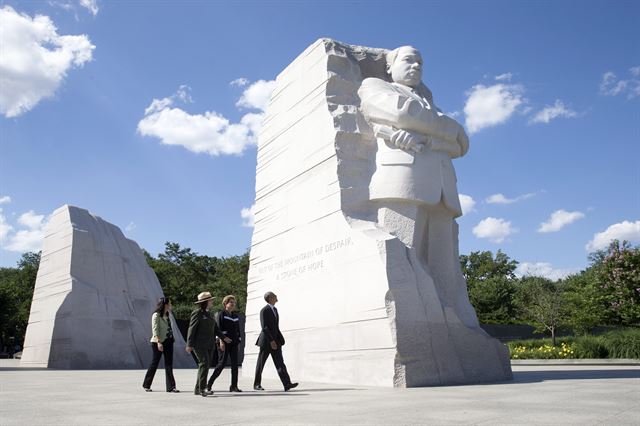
<point>382,104</point>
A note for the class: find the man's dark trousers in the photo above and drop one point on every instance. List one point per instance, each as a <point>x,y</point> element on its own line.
<point>276,355</point>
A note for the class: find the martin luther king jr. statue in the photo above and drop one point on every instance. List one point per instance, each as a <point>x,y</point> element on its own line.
<point>356,197</point>
<point>414,183</point>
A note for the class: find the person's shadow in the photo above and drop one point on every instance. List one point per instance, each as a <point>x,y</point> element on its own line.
<point>546,375</point>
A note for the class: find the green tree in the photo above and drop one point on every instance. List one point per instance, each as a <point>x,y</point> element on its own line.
<point>618,277</point>
<point>481,265</point>
<point>542,302</point>
<point>492,285</point>
<point>184,273</point>
<point>586,307</point>
<point>16,293</point>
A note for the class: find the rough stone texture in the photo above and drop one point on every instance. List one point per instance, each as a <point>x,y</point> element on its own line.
<point>93,298</point>
<point>354,308</point>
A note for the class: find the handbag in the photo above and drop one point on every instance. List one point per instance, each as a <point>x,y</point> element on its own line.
<point>169,338</point>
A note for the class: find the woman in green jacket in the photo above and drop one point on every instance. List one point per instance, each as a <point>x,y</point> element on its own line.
<point>161,344</point>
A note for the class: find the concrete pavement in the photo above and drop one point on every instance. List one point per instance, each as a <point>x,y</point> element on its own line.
<point>568,394</point>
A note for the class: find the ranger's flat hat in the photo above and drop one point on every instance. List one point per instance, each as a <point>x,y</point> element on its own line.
<point>204,296</point>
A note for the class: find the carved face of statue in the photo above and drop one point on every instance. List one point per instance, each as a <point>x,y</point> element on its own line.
<point>407,67</point>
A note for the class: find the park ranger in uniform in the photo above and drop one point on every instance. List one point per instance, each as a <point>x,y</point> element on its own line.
<point>200,340</point>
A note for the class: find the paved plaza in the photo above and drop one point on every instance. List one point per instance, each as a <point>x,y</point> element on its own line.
<point>565,394</point>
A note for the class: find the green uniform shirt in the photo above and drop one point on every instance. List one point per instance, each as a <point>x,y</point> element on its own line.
<point>202,330</point>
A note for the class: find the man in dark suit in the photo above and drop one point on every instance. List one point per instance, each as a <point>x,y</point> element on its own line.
<point>270,342</point>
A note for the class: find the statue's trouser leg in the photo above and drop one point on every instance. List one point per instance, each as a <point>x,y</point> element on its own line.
<point>427,231</point>
<point>442,258</point>
<point>431,235</point>
<point>408,222</point>
<point>439,252</point>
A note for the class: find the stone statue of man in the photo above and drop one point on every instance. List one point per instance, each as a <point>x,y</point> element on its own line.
<point>414,184</point>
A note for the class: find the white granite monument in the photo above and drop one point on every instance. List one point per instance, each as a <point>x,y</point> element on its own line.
<point>355,228</point>
<point>93,299</point>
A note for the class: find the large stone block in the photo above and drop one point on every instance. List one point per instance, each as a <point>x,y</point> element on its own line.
<point>358,305</point>
<point>93,298</point>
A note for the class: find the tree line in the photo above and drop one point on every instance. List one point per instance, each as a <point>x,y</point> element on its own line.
<point>607,292</point>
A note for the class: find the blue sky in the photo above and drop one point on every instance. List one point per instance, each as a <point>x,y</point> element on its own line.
<point>145,113</point>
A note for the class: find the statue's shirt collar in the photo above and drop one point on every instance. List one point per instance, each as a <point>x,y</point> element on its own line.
<point>411,93</point>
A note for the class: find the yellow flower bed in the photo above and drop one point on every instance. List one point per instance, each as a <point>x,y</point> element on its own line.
<point>543,352</point>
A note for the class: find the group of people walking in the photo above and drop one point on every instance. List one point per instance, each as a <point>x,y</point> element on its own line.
<point>206,331</point>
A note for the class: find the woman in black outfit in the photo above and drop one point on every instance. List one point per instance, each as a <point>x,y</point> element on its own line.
<point>161,344</point>
<point>228,323</point>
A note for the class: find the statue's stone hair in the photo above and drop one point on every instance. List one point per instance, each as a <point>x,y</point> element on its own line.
<point>392,54</point>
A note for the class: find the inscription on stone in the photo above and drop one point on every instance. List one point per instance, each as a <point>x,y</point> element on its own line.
<point>307,261</point>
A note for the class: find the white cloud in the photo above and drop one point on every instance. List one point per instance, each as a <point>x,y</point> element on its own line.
<point>558,220</point>
<point>5,228</point>
<point>66,6</point>
<point>183,93</point>
<point>209,132</point>
<point>239,82</point>
<point>248,216</point>
<point>35,60</point>
<point>543,269</point>
<point>611,85</point>
<point>130,227</point>
<point>501,199</point>
<point>489,106</point>
<point>623,231</point>
<point>494,229</point>
<point>549,112</point>
<point>504,77</point>
<point>257,95</point>
<point>5,200</point>
<point>90,5</point>
<point>468,203</point>
<point>31,238</point>
<point>31,220</point>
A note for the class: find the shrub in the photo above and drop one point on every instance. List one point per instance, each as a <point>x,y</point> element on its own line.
<point>590,347</point>
<point>623,343</point>
<point>614,344</point>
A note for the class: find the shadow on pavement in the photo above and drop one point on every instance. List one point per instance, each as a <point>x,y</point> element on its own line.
<point>329,390</point>
<point>263,394</point>
<point>545,375</point>
<point>24,369</point>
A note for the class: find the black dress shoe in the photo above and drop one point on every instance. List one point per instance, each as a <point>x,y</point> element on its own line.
<point>174,390</point>
<point>234,389</point>
<point>147,389</point>
<point>290,386</point>
<point>257,387</point>
<point>204,394</point>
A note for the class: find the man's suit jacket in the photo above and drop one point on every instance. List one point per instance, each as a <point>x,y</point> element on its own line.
<point>269,323</point>
<point>424,177</point>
